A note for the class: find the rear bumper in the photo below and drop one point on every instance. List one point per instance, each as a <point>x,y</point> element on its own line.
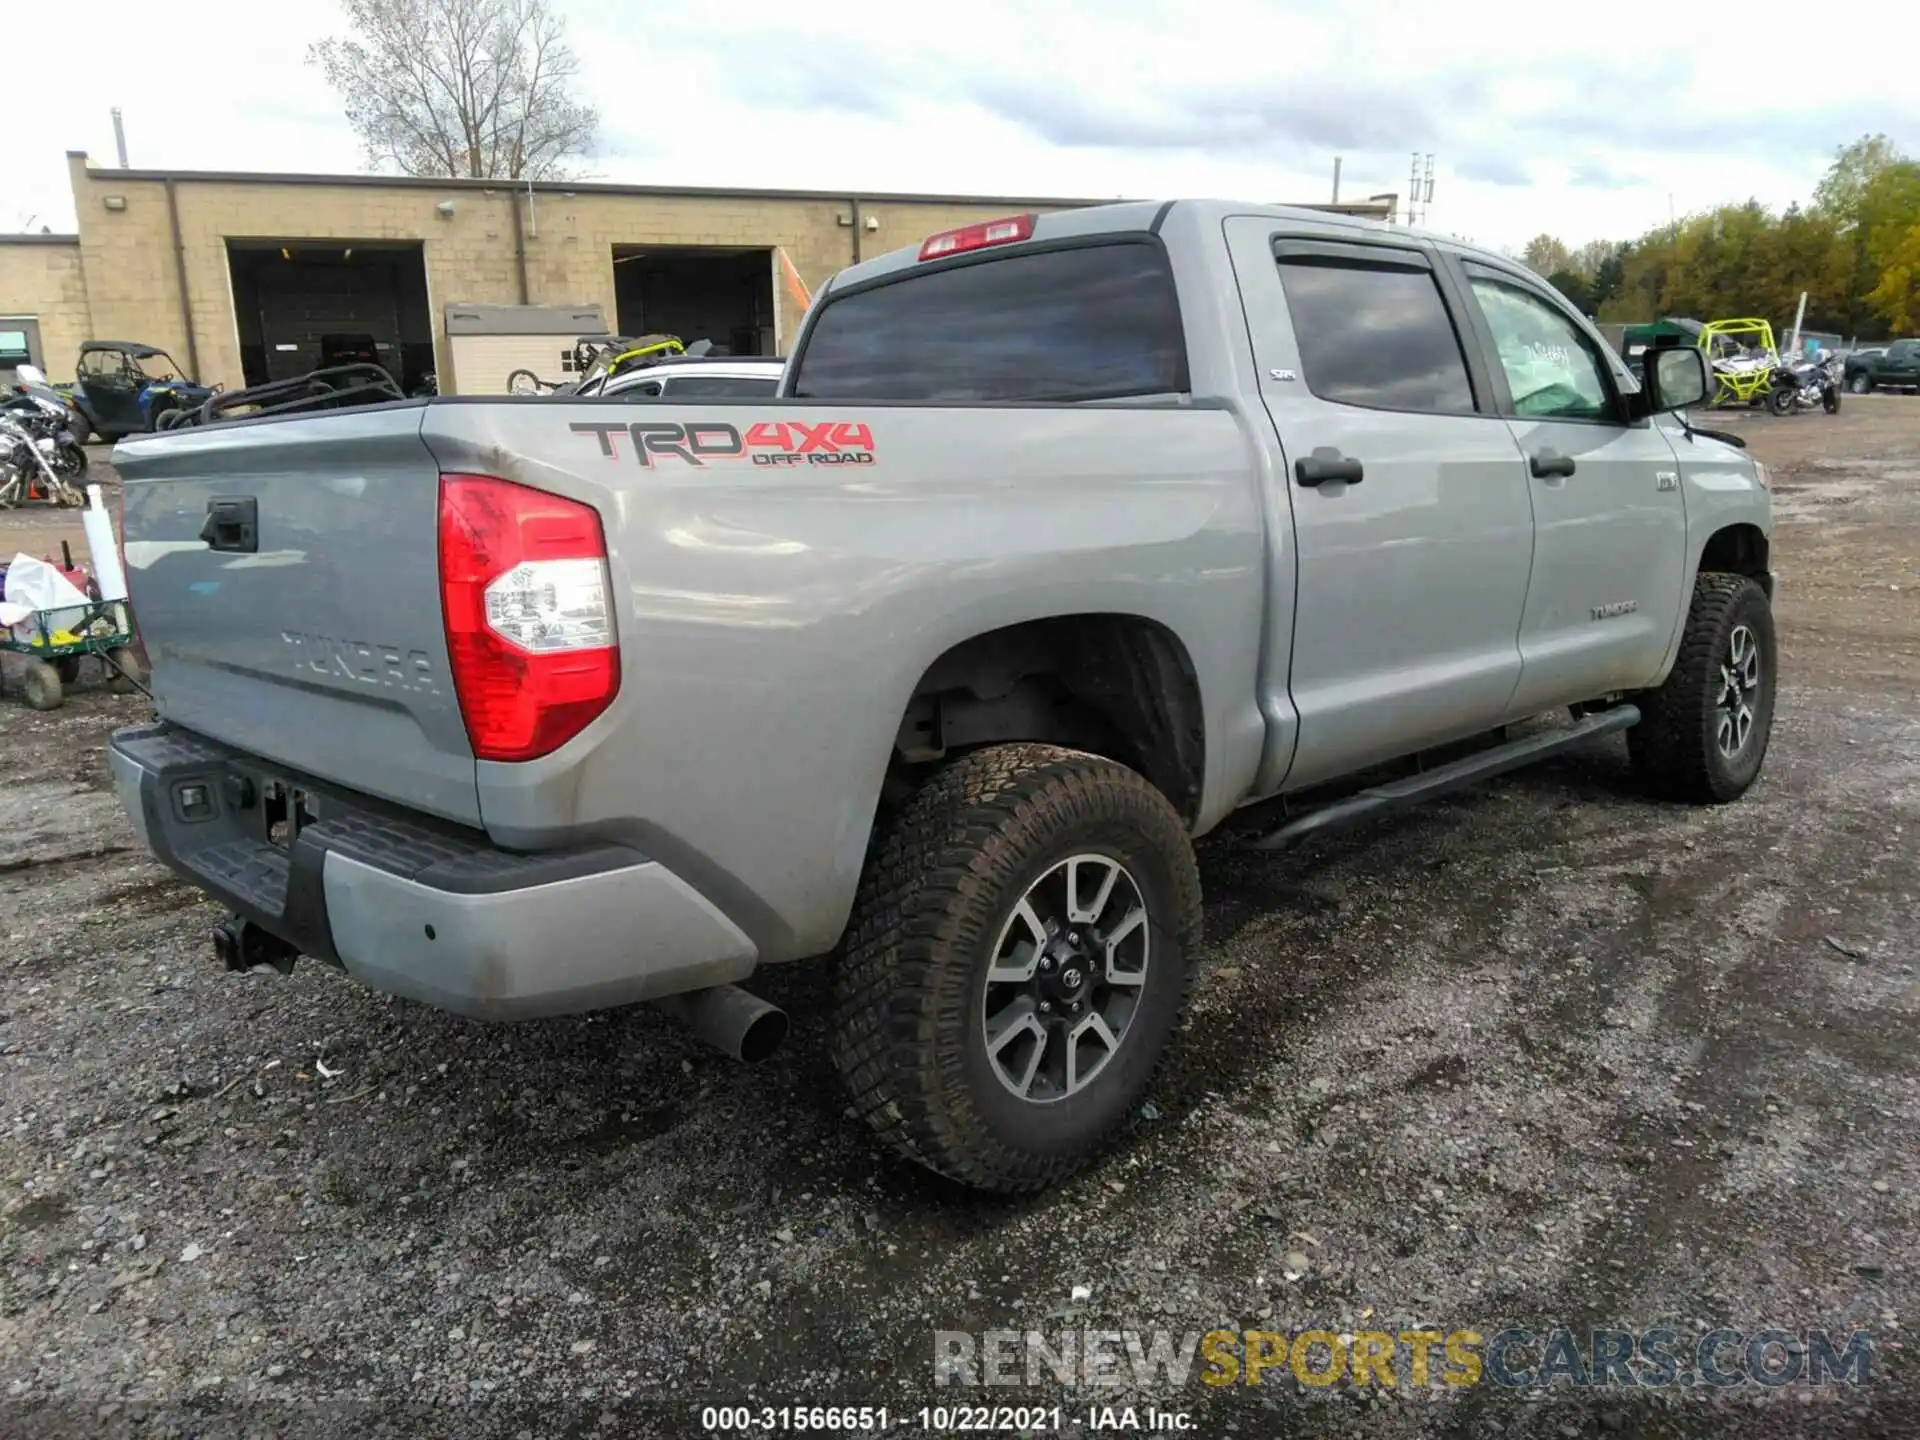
<point>416,907</point>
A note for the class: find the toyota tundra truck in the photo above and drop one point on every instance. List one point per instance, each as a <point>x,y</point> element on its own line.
<point>1065,539</point>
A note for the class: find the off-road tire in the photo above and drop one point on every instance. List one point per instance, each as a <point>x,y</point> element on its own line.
<point>1780,401</point>
<point>941,881</point>
<point>1674,747</point>
<point>40,686</point>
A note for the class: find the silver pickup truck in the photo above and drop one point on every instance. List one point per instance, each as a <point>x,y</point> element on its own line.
<point>1065,538</point>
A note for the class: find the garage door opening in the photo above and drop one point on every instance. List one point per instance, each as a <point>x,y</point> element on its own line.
<point>300,304</point>
<point>698,292</point>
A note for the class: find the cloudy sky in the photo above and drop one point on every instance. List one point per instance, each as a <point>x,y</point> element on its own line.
<point>1585,128</point>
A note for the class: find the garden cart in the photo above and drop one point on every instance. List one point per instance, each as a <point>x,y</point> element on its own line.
<point>56,642</point>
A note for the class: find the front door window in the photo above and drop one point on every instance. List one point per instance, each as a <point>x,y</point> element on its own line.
<point>1551,369</point>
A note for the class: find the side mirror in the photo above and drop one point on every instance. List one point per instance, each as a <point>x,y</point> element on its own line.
<point>1676,378</point>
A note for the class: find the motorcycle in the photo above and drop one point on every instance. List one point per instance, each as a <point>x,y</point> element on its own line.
<point>50,417</point>
<point>26,470</point>
<point>1804,384</point>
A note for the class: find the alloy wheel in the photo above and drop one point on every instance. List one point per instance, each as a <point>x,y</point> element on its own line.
<point>1739,691</point>
<point>1066,978</point>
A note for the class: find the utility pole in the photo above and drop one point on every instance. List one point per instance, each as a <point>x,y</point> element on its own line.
<point>1419,188</point>
<point>119,137</point>
<point>1673,250</point>
<point>1336,179</point>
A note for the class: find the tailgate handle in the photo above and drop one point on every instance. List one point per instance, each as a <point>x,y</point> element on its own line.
<point>233,524</point>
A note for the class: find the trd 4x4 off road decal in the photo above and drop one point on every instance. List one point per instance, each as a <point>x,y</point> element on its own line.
<point>767,442</point>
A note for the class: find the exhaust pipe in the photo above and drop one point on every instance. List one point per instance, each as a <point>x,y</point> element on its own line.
<point>729,1019</point>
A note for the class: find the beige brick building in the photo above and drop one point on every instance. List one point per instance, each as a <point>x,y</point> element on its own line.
<point>237,274</point>
<point>43,301</point>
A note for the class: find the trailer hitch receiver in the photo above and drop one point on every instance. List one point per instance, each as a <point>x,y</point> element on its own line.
<point>239,944</point>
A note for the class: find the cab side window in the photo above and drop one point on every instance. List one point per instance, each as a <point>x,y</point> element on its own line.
<point>1376,335</point>
<point>1550,364</point>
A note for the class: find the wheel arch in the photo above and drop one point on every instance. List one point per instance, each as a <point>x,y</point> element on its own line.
<point>1113,683</point>
<point>1739,548</point>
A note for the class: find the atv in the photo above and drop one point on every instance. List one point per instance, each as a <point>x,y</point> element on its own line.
<point>124,388</point>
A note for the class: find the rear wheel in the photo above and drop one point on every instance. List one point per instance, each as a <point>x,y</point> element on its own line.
<point>130,674</point>
<point>1830,400</point>
<point>1016,964</point>
<point>1703,734</point>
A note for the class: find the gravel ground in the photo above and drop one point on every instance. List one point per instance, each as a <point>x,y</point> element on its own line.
<point>1547,1053</point>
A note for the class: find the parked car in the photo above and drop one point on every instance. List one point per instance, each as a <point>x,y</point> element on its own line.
<point>695,379</point>
<point>1897,367</point>
<point>126,388</point>
<point>1066,539</point>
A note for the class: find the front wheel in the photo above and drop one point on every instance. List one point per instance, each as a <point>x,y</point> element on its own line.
<point>1779,401</point>
<point>1860,384</point>
<point>40,685</point>
<point>1703,734</point>
<point>70,461</point>
<point>1016,964</point>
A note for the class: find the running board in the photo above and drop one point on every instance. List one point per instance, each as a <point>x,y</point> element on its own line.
<point>1402,794</point>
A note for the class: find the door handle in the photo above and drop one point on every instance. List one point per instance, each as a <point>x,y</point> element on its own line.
<point>233,524</point>
<point>1326,464</point>
<point>1548,463</point>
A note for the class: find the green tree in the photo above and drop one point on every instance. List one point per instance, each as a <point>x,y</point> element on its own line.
<point>1888,219</point>
<point>1868,193</point>
<point>1545,254</point>
<point>1588,259</point>
<point>1854,252</point>
<point>1854,168</point>
<point>1610,276</point>
<point>1575,287</point>
<point>1897,296</point>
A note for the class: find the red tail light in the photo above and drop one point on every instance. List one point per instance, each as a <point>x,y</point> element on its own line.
<point>977,237</point>
<point>529,613</point>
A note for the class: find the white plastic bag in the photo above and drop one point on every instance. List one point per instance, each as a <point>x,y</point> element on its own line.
<point>39,586</point>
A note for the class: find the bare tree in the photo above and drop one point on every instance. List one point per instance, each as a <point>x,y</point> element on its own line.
<point>463,88</point>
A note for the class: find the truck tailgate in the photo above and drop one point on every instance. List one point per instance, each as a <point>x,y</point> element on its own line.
<point>317,639</point>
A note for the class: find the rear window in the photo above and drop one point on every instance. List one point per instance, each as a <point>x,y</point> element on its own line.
<point>1087,323</point>
<point>1376,335</point>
